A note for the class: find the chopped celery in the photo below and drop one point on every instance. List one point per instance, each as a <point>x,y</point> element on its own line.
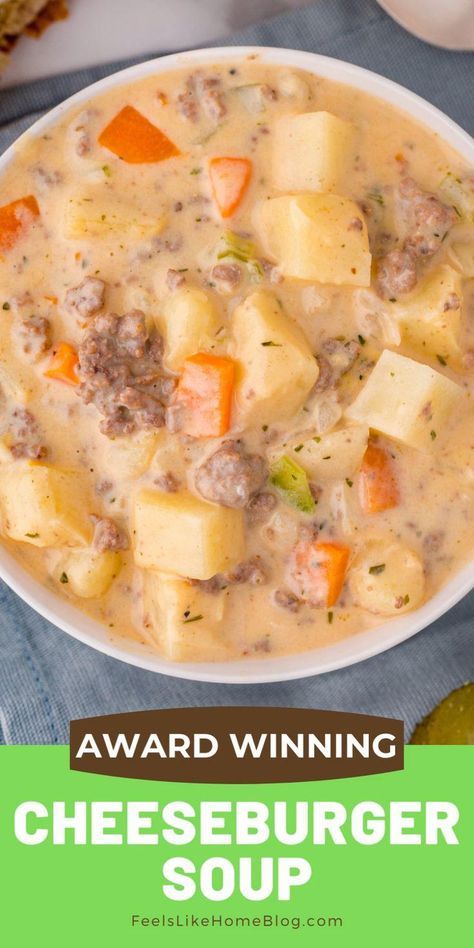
<point>460,194</point>
<point>241,249</point>
<point>292,482</point>
<point>231,245</point>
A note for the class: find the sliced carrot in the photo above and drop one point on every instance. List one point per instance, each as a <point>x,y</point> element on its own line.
<point>378,486</point>
<point>63,364</point>
<point>205,395</point>
<point>136,140</point>
<point>15,218</point>
<point>229,181</point>
<point>318,570</point>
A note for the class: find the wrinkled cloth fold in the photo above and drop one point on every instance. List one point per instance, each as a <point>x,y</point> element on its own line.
<point>46,677</point>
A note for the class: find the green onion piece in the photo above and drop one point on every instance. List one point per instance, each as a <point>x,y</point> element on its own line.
<point>376,570</point>
<point>292,482</point>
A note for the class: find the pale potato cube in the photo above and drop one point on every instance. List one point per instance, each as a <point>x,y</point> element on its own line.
<point>182,621</point>
<point>430,316</point>
<point>87,573</point>
<point>189,322</point>
<point>130,455</point>
<point>311,152</point>
<point>387,578</point>
<point>406,400</point>
<point>277,369</point>
<point>180,533</point>
<point>316,237</point>
<point>335,455</point>
<point>45,505</point>
<point>92,213</point>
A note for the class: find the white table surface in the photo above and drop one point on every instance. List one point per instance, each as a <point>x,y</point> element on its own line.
<point>100,31</point>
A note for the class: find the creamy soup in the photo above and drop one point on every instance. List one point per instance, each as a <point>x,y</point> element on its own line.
<point>237,361</point>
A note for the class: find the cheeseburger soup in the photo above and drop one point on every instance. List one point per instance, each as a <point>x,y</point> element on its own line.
<point>237,361</point>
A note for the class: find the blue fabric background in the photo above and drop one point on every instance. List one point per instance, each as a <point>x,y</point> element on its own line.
<point>46,678</point>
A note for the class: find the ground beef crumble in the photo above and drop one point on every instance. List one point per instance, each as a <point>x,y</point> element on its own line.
<point>426,221</point>
<point>334,360</point>
<point>25,435</point>
<point>87,299</point>
<point>251,571</point>
<point>108,536</point>
<point>120,371</point>
<point>34,336</point>
<point>230,476</point>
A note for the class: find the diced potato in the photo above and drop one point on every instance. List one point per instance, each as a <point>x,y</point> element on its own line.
<point>182,620</point>
<point>430,316</point>
<point>131,455</point>
<point>277,367</point>
<point>189,322</point>
<point>311,152</point>
<point>335,455</point>
<point>462,255</point>
<point>406,400</point>
<point>313,237</point>
<point>90,213</point>
<point>87,573</point>
<point>387,578</point>
<point>45,505</point>
<point>179,533</point>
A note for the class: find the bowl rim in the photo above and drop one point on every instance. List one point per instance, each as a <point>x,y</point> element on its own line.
<point>355,648</point>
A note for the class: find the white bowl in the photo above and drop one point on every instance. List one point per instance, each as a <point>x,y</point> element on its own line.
<point>250,671</point>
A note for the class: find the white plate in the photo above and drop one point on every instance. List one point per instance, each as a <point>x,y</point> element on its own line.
<point>355,648</point>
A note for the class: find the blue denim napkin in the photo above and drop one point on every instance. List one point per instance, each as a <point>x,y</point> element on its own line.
<point>47,678</point>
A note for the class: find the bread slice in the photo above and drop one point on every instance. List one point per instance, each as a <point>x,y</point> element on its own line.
<point>33,16</point>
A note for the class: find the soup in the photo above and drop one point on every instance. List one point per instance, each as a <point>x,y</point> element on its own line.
<point>236,361</point>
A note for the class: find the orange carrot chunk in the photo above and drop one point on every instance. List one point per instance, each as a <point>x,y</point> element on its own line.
<point>378,487</point>
<point>318,570</point>
<point>15,218</point>
<point>63,364</point>
<point>229,181</point>
<point>136,140</point>
<point>204,394</point>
